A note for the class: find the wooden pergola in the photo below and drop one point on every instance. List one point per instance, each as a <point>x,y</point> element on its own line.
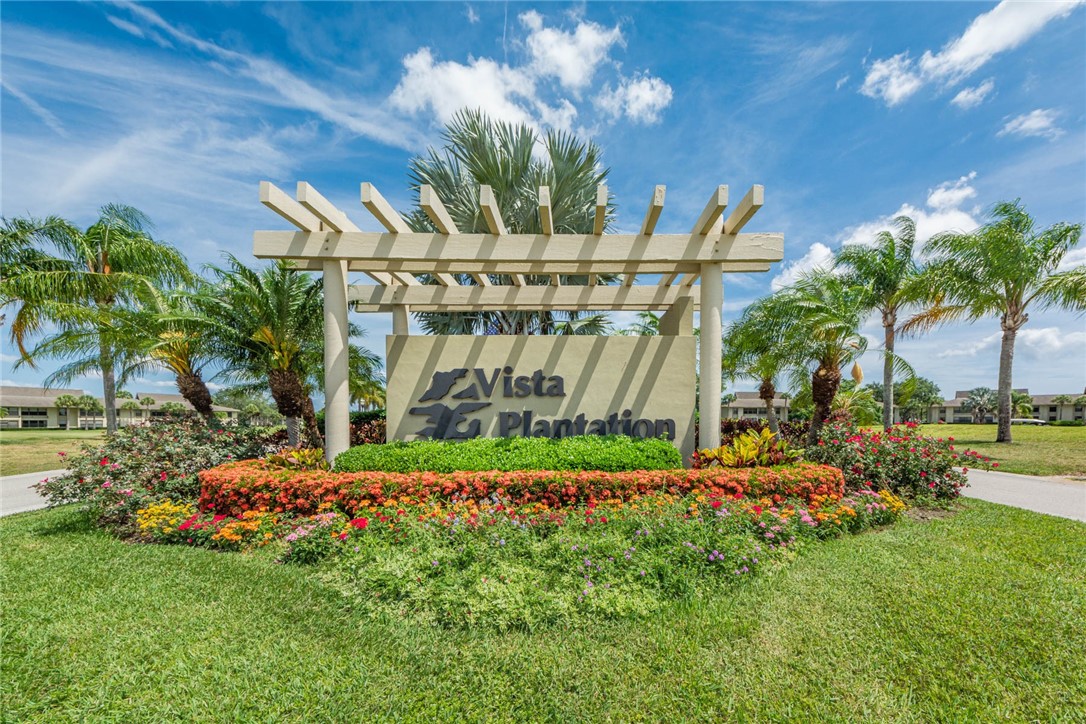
<point>691,268</point>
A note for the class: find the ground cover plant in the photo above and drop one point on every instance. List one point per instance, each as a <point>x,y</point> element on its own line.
<point>1036,450</point>
<point>937,620</point>
<point>32,451</point>
<point>584,452</point>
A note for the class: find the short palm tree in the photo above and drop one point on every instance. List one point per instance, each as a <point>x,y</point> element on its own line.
<point>265,325</point>
<point>514,161</point>
<point>894,279</point>
<point>1005,268</point>
<point>1021,404</point>
<point>980,402</point>
<point>79,285</point>
<point>170,331</point>
<point>819,317</point>
<point>754,347</point>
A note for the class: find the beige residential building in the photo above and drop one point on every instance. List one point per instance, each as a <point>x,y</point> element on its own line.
<point>29,407</point>
<point>748,406</point>
<point>1045,407</point>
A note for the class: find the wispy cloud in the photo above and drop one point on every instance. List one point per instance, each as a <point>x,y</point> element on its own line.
<point>1005,27</point>
<point>43,114</point>
<point>972,97</point>
<point>1040,122</point>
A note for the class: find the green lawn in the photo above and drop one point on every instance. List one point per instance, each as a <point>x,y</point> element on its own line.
<point>30,451</point>
<point>973,617</point>
<point>1036,450</point>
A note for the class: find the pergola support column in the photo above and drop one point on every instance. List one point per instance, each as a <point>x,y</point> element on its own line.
<point>712,303</point>
<point>337,393</point>
<point>399,319</point>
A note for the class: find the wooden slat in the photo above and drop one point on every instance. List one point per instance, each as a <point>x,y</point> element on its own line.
<point>562,268</point>
<point>556,280</point>
<point>488,203</point>
<point>280,202</point>
<point>382,210</point>
<point>600,219</point>
<point>323,209</point>
<point>628,279</point>
<point>655,207</point>
<point>432,206</point>
<point>532,252</point>
<point>668,279</point>
<point>689,279</point>
<point>542,297</point>
<point>546,218</point>
<point>713,209</point>
<point>592,280</point>
<point>745,210</point>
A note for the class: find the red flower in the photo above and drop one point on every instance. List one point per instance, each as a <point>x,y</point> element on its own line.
<point>217,518</point>
<point>757,509</point>
<point>360,523</point>
<point>716,504</point>
<point>343,535</point>
<point>188,523</point>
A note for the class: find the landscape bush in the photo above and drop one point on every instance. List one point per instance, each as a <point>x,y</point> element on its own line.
<point>236,487</point>
<point>613,453</point>
<point>142,464</point>
<point>900,459</point>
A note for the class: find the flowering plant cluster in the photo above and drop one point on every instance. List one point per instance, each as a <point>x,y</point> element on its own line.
<point>179,522</point>
<point>142,464</point>
<point>254,485</point>
<point>900,459</point>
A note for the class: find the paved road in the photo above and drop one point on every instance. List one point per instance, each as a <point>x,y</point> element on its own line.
<point>1043,495</point>
<point>16,495</point>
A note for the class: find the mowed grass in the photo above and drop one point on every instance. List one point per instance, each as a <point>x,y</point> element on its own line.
<point>973,617</point>
<point>1036,450</point>
<point>31,451</point>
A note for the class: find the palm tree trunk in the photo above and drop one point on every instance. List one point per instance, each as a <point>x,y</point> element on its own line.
<point>289,399</point>
<point>313,433</point>
<point>767,392</point>
<point>192,388</point>
<point>1006,361</point>
<point>889,319</point>
<point>824,384</point>
<point>109,386</point>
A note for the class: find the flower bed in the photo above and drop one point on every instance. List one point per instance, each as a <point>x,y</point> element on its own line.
<point>236,487</point>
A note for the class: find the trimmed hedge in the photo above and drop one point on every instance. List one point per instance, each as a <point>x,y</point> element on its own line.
<point>234,488</point>
<point>613,453</point>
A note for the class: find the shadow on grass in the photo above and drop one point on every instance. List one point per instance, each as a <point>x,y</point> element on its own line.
<point>64,520</point>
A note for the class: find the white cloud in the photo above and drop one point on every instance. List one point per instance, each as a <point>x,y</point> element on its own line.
<point>1005,27</point>
<point>639,99</point>
<point>1073,258</point>
<point>971,97</point>
<point>559,61</point>
<point>942,212</point>
<point>818,257</point>
<point>571,57</point>
<point>473,17</point>
<point>447,86</point>
<point>840,82</point>
<point>1041,343</point>
<point>1040,122</point>
<point>892,79</point>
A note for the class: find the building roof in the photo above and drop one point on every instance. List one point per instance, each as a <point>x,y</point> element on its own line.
<point>746,398</point>
<point>16,396</point>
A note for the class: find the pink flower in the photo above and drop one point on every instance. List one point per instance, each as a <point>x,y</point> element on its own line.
<point>107,484</point>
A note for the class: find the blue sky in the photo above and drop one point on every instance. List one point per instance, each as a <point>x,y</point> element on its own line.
<point>848,113</point>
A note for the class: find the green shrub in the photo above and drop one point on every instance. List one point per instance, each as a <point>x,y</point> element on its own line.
<point>1067,423</point>
<point>613,453</point>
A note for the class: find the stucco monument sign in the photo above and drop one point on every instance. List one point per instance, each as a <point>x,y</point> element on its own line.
<point>457,387</point>
<point>460,387</point>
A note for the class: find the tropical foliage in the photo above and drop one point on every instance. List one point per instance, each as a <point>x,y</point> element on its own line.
<point>515,161</point>
<point>73,282</point>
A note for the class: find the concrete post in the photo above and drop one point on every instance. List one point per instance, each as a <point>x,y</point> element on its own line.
<point>337,393</point>
<point>712,303</point>
<point>399,319</point>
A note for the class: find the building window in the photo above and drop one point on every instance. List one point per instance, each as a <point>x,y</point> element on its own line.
<point>753,411</point>
<point>34,412</point>
<point>33,423</point>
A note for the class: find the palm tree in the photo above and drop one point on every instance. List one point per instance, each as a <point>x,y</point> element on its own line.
<point>514,161</point>
<point>1003,268</point>
<point>858,402</point>
<point>1021,404</point>
<point>980,401</point>
<point>266,326</point>
<point>366,383</point>
<point>108,266</point>
<point>170,331</point>
<point>130,405</point>
<point>67,402</point>
<point>92,406</point>
<point>647,325</point>
<point>754,347</point>
<point>147,402</point>
<point>893,277</point>
<point>819,317</point>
